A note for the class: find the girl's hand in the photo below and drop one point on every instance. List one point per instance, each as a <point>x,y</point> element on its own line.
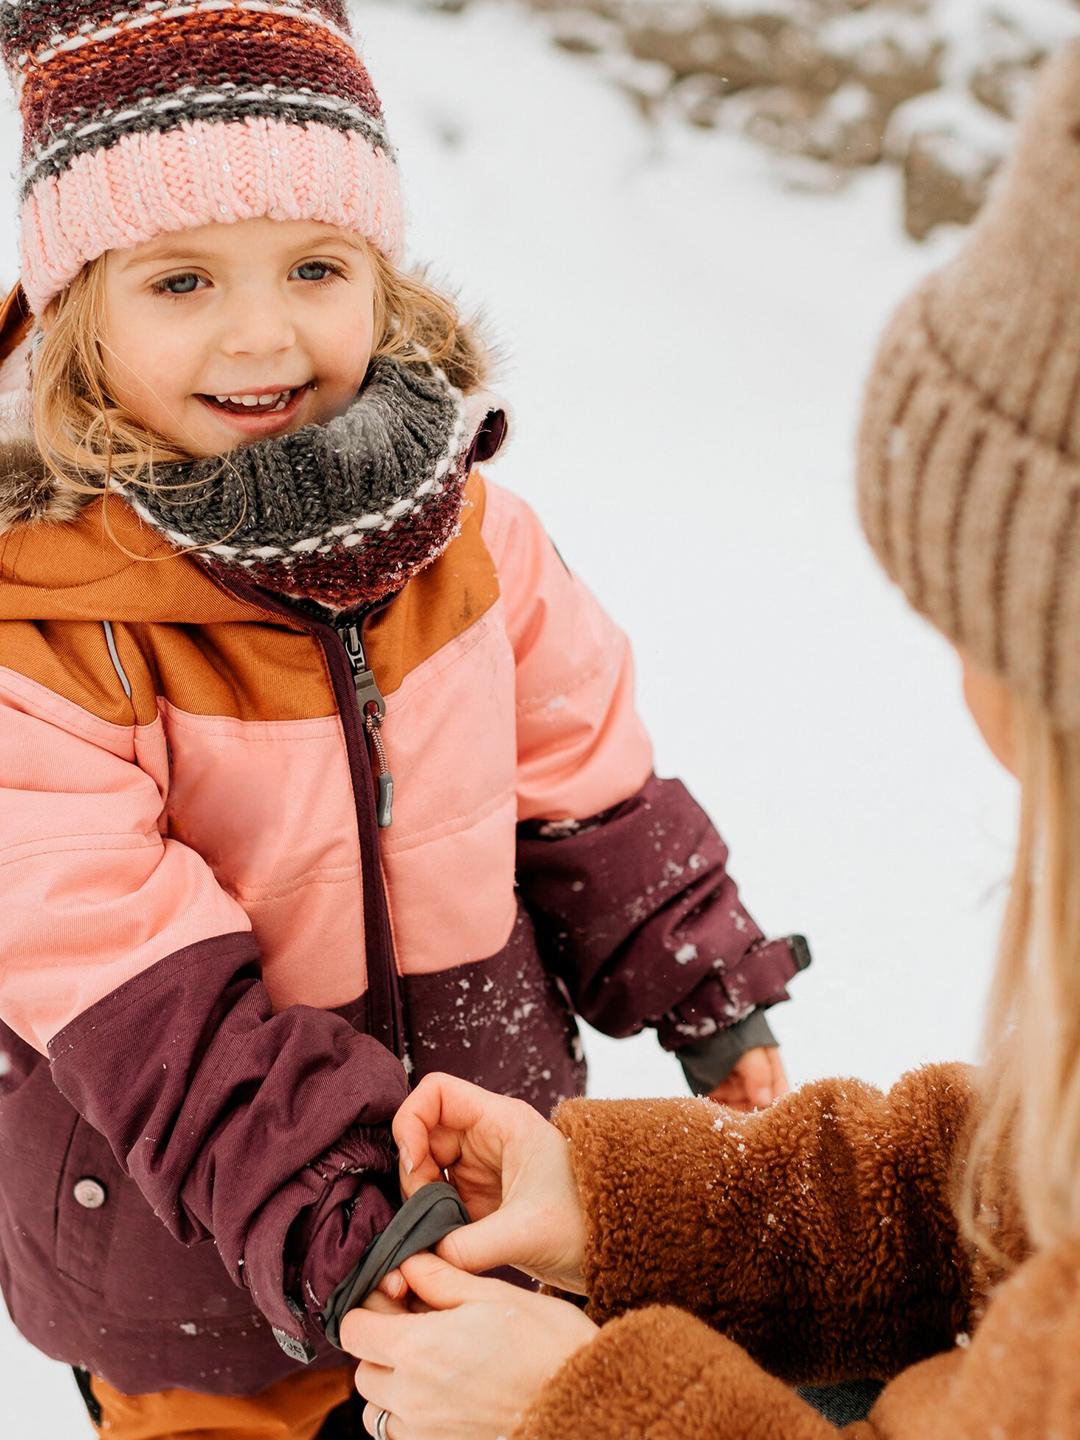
<point>512,1171</point>
<point>467,1368</point>
<point>756,1080</point>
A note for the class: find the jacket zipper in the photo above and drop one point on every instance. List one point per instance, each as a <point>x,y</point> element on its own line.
<point>386,1020</point>
<point>373,712</point>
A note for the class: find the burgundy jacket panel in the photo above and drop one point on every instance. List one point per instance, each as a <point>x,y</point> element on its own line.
<point>505,1024</point>
<point>261,1131</point>
<point>113,1288</point>
<point>638,916</point>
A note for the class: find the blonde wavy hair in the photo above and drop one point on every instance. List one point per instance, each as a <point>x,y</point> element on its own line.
<point>89,443</point>
<point>1026,1149</point>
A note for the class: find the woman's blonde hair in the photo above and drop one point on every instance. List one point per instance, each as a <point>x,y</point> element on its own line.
<point>1028,1141</point>
<point>88,442</point>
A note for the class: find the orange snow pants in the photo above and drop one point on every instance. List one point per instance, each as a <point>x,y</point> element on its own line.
<point>294,1409</point>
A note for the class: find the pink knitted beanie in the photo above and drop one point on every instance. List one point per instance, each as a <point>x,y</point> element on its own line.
<point>142,117</point>
<point>969,452</point>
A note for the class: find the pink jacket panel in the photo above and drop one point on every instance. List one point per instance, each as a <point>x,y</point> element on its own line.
<point>581,746</point>
<point>269,807</point>
<point>449,856</point>
<point>93,891</point>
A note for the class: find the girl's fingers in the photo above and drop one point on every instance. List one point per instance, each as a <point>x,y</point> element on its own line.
<point>781,1085</point>
<point>732,1092</point>
<point>756,1073</point>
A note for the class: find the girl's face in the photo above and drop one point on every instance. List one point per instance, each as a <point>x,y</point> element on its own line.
<point>228,334</point>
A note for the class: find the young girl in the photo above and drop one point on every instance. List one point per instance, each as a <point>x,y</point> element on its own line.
<point>319,768</point>
<point>930,1237</point>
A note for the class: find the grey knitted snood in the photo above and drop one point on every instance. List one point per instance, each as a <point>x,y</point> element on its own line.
<point>342,513</point>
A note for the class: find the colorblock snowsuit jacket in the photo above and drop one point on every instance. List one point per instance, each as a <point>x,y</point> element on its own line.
<point>216,969</point>
<point>814,1242</point>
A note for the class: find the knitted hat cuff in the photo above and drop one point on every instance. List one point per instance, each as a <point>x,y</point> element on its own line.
<point>146,117</point>
<point>152,184</point>
<point>975,518</point>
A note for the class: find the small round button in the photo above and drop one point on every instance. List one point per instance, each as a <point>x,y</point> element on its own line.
<point>90,1194</point>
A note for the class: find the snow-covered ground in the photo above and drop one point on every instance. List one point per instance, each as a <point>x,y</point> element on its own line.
<point>686,344</point>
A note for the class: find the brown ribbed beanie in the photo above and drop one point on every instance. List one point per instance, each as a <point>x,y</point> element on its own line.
<point>969,449</point>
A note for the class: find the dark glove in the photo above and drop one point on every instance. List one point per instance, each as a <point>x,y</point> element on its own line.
<point>708,1063</point>
<point>420,1224</point>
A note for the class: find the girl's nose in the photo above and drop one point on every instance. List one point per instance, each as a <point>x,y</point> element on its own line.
<point>258,325</point>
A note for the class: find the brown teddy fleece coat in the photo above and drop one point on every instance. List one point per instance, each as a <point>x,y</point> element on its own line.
<point>819,1239</point>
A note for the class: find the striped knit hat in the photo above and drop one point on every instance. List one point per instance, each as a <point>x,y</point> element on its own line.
<point>969,452</point>
<point>142,117</point>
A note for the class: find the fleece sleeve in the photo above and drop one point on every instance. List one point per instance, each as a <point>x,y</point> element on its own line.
<point>624,874</point>
<point>818,1234</point>
<point>660,1372</point>
<point>125,963</point>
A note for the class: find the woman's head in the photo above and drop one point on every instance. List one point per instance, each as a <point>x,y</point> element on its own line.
<point>969,491</point>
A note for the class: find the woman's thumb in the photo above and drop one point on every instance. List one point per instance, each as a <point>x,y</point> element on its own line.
<point>438,1284</point>
<point>484,1245</point>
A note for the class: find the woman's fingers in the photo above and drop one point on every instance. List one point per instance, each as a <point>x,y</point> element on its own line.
<point>379,1303</point>
<point>443,1286</point>
<point>374,1382</point>
<point>392,1431</point>
<point>499,1239</point>
<point>378,1339</point>
<point>394,1286</point>
<point>429,1126</point>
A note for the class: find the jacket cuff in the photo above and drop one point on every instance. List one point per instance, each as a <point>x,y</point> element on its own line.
<point>723,999</point>
<point>707,1063</point>
<point>425,1219</point>
<point>659,1371</point>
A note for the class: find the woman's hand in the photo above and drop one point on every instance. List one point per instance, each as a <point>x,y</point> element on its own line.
<point>471,1365</point>
<point>756,1080</point>
<point>512,1170</point>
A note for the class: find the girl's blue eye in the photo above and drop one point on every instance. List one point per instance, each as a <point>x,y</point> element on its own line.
<point>305,270</point>
<point>178,285</point>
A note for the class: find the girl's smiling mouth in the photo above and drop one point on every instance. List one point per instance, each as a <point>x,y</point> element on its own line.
<point>259,412</point>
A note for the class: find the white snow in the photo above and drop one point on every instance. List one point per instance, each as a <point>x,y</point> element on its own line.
<point>687,344</point>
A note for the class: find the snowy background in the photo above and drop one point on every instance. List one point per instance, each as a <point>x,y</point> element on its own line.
<point>685,343</point>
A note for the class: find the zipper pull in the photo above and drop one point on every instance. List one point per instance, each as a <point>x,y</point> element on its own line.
<point>373,712</point>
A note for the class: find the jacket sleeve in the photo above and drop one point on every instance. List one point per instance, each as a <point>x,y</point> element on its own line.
<point>623,873</point>
<point>123,960</point>
<point>818,1234</point>
<point>660,1372</point>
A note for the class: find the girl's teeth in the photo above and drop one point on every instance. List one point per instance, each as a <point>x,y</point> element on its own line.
<point>261,402</point>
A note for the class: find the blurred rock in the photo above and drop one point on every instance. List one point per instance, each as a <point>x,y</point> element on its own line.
<point>1003,76</point>
<point>830,86</point>
<point>845,129</point>
<point>740,50</point>
<point>583,31</point>
<point>946,180</point>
